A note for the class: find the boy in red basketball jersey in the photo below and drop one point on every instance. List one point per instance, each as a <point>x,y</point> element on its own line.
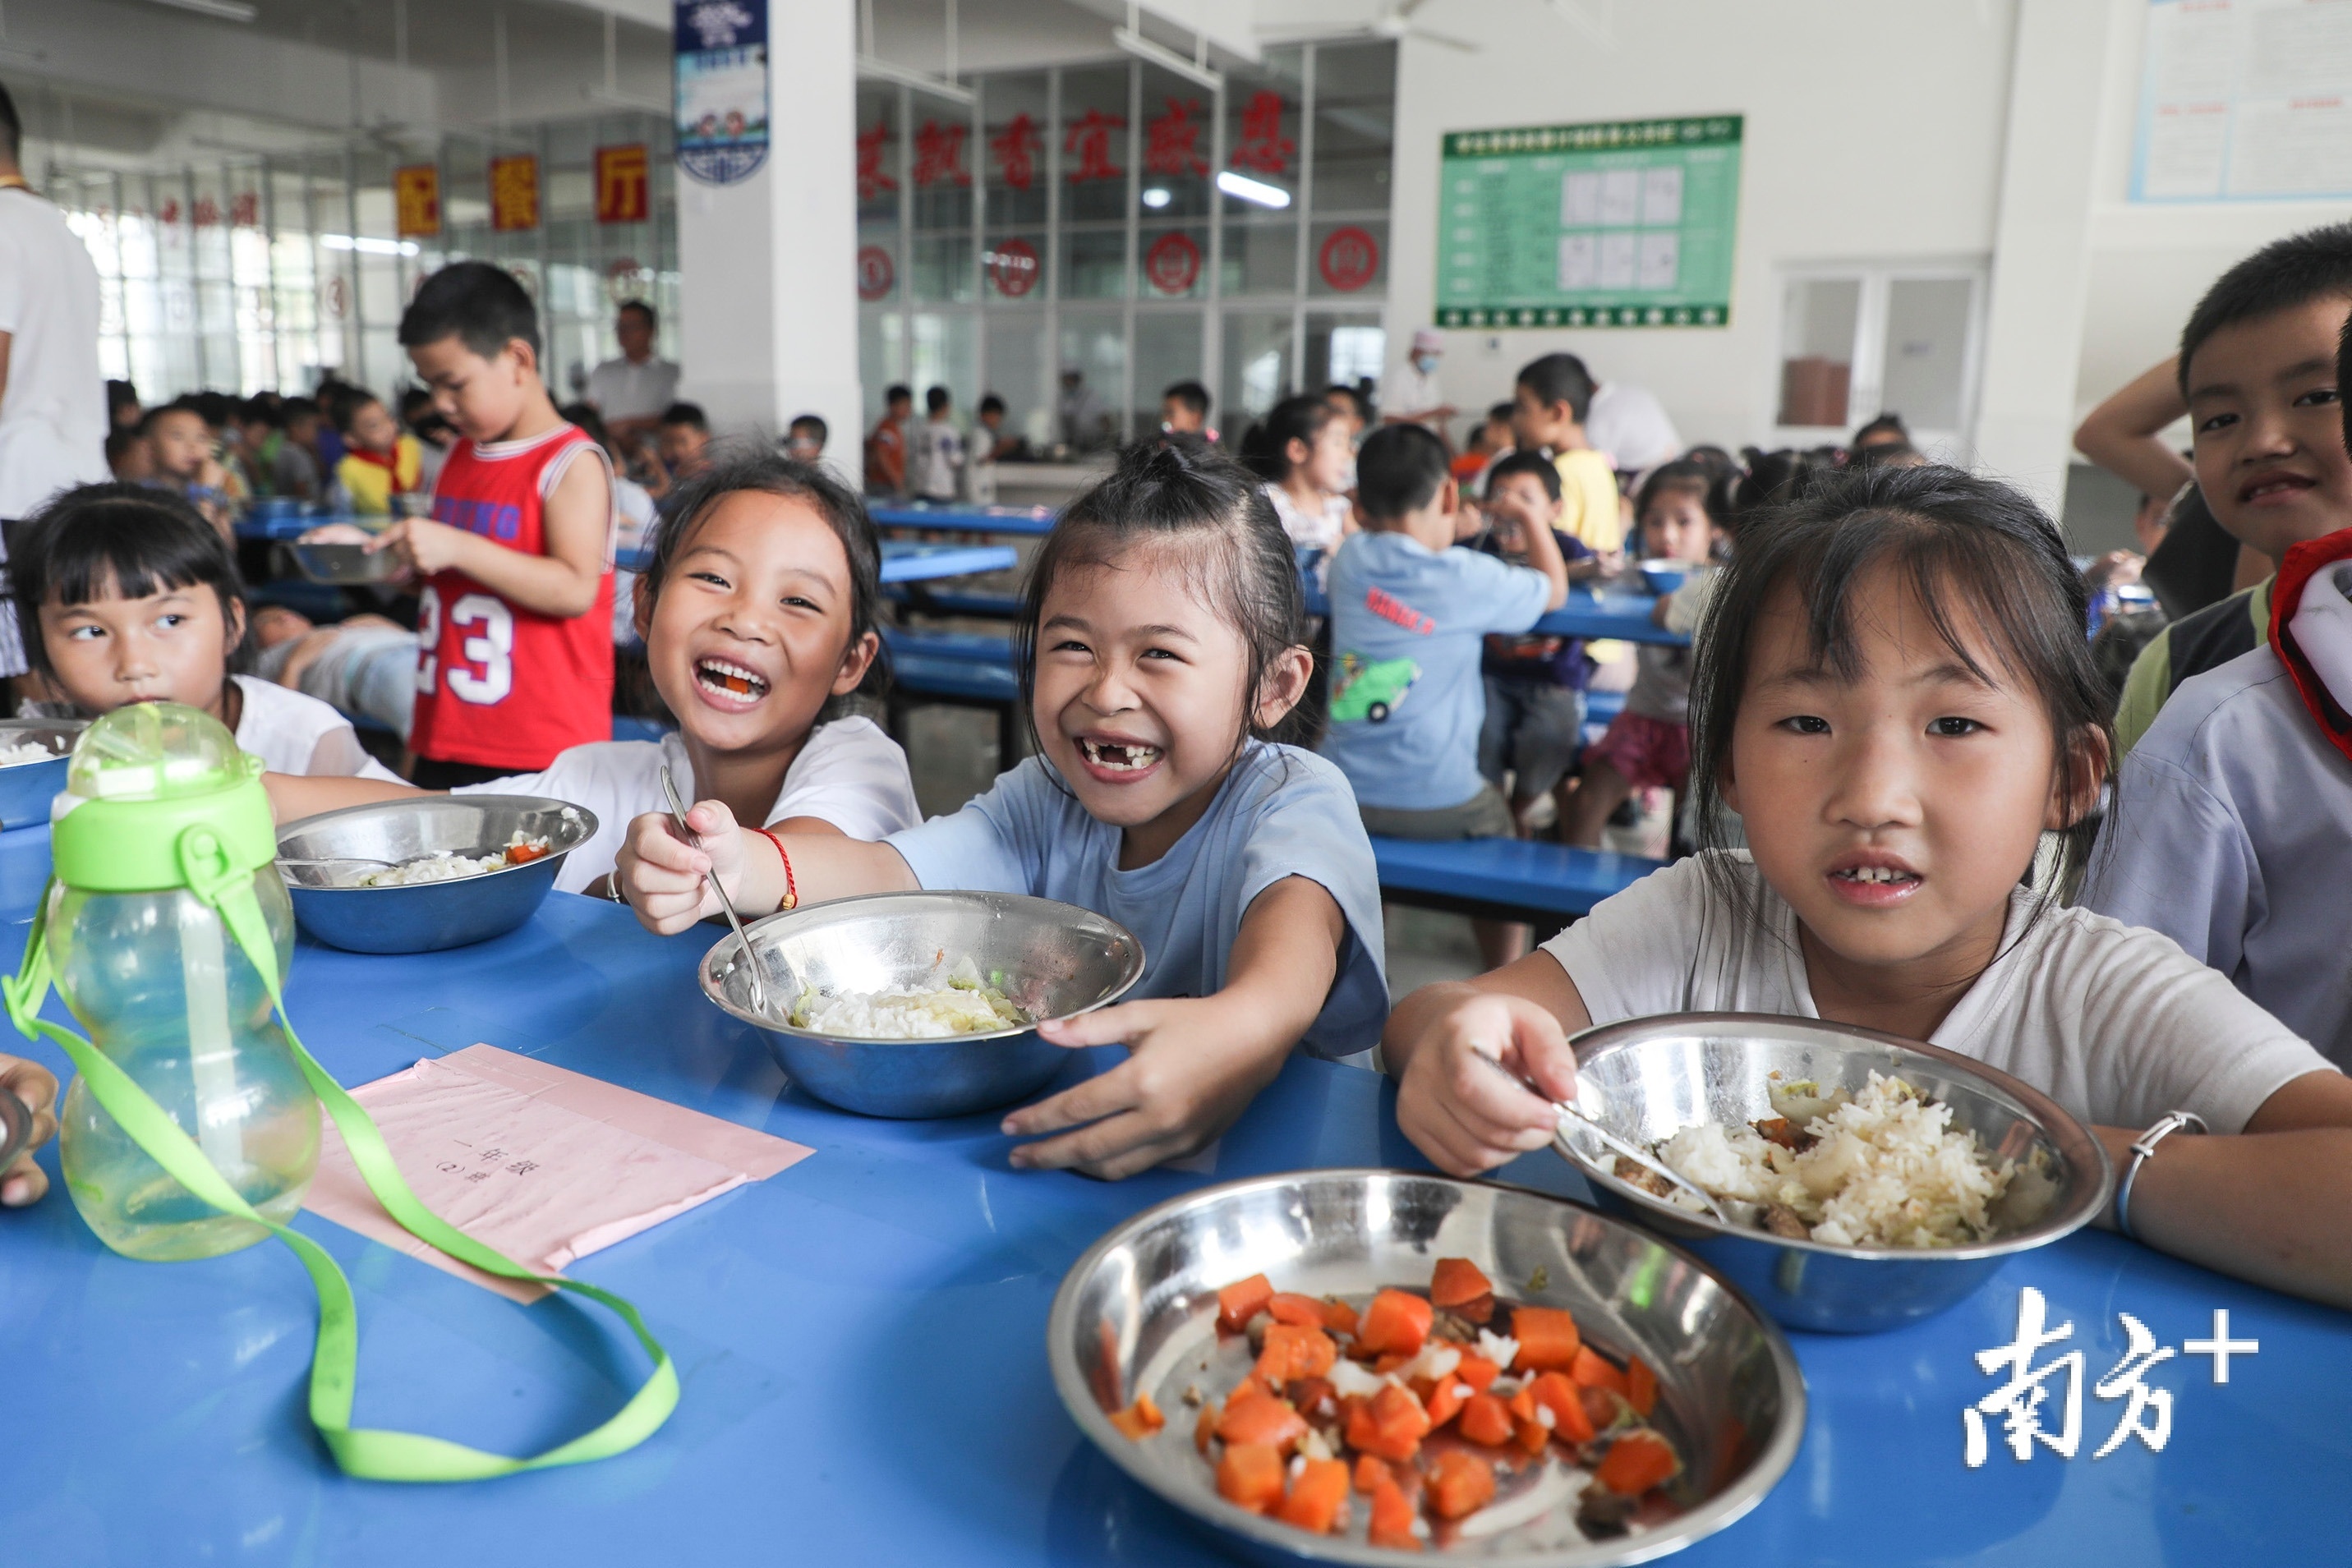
<point>514,631</point>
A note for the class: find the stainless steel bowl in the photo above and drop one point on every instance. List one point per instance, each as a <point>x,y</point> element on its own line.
<point>1646,1079</point>
<point>1138,1314</point>
<point>1059,960</point>
<point>27,789</point>
<point>427,916</point>
<point>345,563</point>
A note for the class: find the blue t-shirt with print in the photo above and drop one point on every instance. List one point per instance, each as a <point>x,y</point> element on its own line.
<point>1407,629</point>
<point>1280,813</point>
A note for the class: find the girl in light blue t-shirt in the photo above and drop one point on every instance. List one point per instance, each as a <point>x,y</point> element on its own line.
<point>1161,647</point>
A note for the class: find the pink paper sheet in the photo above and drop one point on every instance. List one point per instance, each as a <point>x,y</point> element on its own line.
<point>544,1165</point>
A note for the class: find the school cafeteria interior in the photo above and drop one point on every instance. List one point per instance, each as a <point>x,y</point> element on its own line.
<point>894,686</point>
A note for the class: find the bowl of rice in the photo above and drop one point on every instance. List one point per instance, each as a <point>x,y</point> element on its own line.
<point>433,871</point>
<point>923,1004</point>
<point>32,757</point>
<point>1869,1181</point>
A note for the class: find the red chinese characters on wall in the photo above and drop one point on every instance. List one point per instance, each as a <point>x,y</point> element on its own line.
<point>1015,149</point>
<point>873,180</point>
<point>244,210</point>
<point>1088,140</point>
<point>1173,264</point>
<point>938,154</point>
<point>1262,147</point>
<point>1172,140</point>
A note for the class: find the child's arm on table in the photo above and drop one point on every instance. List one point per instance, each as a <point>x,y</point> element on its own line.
<point>2272,1204</point>
<point>562,582</point>
<point>25,1181</point>
<point>293,796</point>
<point>1463,1113</point>
<point>1194,1063</point>
<point>660,876</point>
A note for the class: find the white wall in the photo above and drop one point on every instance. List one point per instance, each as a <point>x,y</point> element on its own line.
<point>1874,131</point>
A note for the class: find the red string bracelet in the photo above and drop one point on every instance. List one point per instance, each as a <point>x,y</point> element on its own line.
<point>791,888</point>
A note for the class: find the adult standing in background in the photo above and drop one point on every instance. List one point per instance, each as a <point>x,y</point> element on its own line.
<point>52,398</point>
<point>1629,425</point>
<point>631,391</point>
<point>1414,397</point>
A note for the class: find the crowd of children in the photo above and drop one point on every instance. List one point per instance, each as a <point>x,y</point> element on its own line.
<point>1910,799</point>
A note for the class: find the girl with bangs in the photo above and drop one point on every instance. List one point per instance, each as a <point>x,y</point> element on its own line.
<point>1893,693</point>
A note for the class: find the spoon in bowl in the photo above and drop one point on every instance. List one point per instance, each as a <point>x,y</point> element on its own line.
<point>677,815</point>
<point>1569,1111</point>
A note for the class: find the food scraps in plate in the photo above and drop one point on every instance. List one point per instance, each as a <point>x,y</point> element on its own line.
<point>962,1003</point>
<point>447,866</point>
<point>26,751</point>
<point>1447,1414</point>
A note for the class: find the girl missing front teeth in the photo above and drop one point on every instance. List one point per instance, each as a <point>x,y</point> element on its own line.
<point>758,614</point>
<point>1162,646</point>
<point>1894,690</point>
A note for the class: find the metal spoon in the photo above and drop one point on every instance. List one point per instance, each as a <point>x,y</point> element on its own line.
<point>1569,1111</point>
<point>677,815</point>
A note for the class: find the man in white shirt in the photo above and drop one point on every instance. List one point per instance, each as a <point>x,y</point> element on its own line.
<point>52,397</point>
<point>1414,397</point>
<point>632,391</point>
<point>1630,426</point>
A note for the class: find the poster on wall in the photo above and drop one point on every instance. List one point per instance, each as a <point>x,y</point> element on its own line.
<point>1629,223</point>
<point>722,88</point>
<point>514,193</point>
<point>2244,100</point>
<point>622,196</point>
<point>416,201</point>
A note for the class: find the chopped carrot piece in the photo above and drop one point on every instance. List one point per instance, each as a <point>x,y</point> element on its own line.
<point>1444,1401</point>
<point>523,854</point>
<point>1601,1406</point>
<point>1390,1362</point>
<point>1476,1370</point>
<point>1242,1301</point>
<point>1373,1473</point>
<point>1636,1462</point>
<point>1205,1428</point>
<point>1641,1386</point>
<point>1253,1416</point>
<point>1395,1323</point>
<point>1548,1339</point>
<point>1392,1519</point>
<point>1594,1371</point>
<point>1339,1316</point>
<point>1289,1307</point>
<point>1456,1281</point>
<point>1479,1312</point>
<point>1532,1431</point>
<point>1484,1419</point>
<point>1250,1476</point>
<point>1462,1483</point>
<point>1307,1395</point>
<point>1139,1420</point>
<point>1292,1351</point>
<point>1317,1496</point>
<point>1556,1394</point>
<point>1390,1425</point>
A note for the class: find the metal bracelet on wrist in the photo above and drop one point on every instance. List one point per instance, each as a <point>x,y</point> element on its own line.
<point>2142,1149</point>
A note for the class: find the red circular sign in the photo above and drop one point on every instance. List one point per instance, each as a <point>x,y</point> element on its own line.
<point>876,272</point>
<point>1349,258</point>
<point>1173,263</point>
<point>1012,267</point>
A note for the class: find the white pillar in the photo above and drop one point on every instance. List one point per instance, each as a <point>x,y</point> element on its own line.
<point>2042,245</point>
<point>768,286</point>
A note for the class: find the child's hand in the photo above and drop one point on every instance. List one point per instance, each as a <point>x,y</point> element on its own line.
<point>338,534</point>
<point>426,546</point>
<point>1462,1100</point>
<point>661,876</point>
<point>24,1182</point>
<point>1191,1070</point>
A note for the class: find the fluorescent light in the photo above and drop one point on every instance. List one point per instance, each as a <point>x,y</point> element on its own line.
<point>367,246</point>
<point>220,10</point>
<point>1249,189</point>
<point>1156,197</point>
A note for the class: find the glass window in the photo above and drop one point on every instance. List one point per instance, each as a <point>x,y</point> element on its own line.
<point>1094,144</point>
<point>1257,367</point>
<point>1820,319</point>
<point>1350,258</point>
<point>1261,133</point>
<point>1345,349</point>
<point>881,181</point>
<point>1093,383</point>
<point>1020,371</point>
<point>1015,122</point>
<point>881,358</point>
<point>1167,351</point>
<point>941,268</point>
<point>1179,137</point>
<point>1927,350</point>
<point>1174,262</point>
<point>1355,113</point>
<point>1094,262</point>
<point>946,353</point>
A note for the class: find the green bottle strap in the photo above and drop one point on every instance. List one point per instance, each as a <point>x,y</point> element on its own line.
<point>368,1453</point>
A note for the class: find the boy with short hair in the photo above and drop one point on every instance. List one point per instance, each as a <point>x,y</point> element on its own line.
<point>1410,613</point>
<point>804,439</point>
<point>1534,685</point>
<point>381,461</point>
<point>1549,407</point>
<point>181,444</point>
<point>2232,829</point>
<point>2257,369</point>
<point>684,440</point>
<point>939,456</point>
<point>294,462</point>
<point>1184,411</point>
<point>885,448</point>
<point>514,627</point>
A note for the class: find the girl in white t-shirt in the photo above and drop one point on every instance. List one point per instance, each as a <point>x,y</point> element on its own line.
<point>757,611</point>
<point>1894,694</point>
<point>1301,450</point>
<point>130,596</point>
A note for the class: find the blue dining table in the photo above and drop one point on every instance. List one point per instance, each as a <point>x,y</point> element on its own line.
<point>1023,522</point>
<point>861,1342</point>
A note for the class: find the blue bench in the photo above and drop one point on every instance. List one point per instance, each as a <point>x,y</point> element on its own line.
<point>1545,884</point>
<point>922,600</point>
<point>958,669</point>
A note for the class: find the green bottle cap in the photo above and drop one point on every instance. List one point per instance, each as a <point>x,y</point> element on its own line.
<point>158,796</point>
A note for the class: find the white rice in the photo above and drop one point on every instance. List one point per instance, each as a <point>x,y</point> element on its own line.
<point>1889,1171</point>
<point>962,1004</point>
<point>26,751</point>
<point>447,866</point>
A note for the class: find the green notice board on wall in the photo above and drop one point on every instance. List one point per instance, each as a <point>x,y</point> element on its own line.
<point>1629,224</point>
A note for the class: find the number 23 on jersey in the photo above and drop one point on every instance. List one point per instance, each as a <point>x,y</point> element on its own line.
<point>483,673</point>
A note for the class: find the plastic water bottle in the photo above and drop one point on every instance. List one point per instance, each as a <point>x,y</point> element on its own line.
<point>163,988</point>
